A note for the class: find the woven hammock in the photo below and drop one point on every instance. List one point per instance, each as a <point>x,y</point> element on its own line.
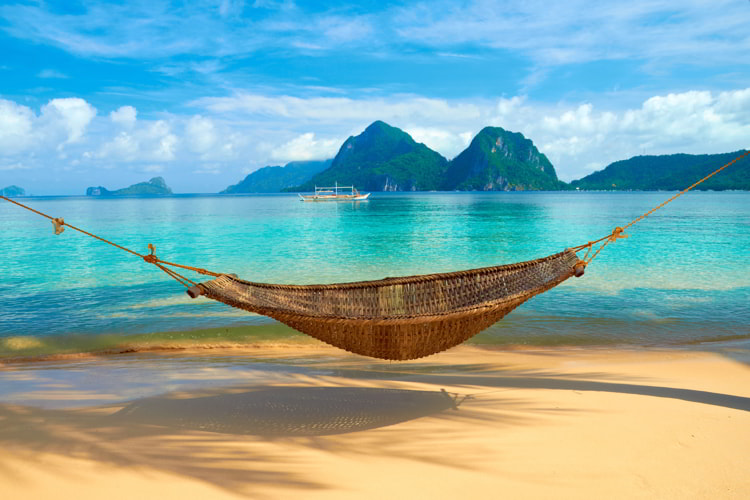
<point>398,318</point>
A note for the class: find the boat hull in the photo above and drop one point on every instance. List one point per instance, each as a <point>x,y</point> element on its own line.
<point>340,197</point>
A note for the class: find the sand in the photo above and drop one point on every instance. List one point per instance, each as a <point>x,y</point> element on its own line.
<point>315,423</point>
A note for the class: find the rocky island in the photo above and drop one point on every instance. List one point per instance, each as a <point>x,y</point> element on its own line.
<point>155,187</point>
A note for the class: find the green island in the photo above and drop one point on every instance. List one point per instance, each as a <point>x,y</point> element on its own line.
<point>13,191</point>
<point>155,187</point>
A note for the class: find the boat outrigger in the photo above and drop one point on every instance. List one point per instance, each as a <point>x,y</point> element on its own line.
<point>335,193</point>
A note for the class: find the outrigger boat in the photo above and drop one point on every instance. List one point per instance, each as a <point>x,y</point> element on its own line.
<point>335,193</point>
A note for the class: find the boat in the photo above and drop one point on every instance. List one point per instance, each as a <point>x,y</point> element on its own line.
<point>335,193</point>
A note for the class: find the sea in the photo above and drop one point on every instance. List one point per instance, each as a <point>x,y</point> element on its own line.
<point>681,278</point>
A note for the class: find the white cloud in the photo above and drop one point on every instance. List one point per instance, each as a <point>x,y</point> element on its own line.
<point>124,116</point>
<point>448,143</point>
<point>16,122</point>
<point>201,134</point>
<point>306,147</point>
<point>150,141</point>
<point>71,115</point>
<point>124,147</point>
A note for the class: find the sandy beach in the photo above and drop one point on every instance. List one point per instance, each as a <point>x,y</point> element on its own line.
<point>317,423</point>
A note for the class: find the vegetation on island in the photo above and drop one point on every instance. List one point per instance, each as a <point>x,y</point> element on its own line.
<point>155,187</point>
<point>13,191</point>
<point>275,179</point>
<point>669,173</point>
<point>499,160</point>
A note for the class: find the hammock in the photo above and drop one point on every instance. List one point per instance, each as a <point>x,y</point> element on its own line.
<point>397,318</point>
<point>394,318</point>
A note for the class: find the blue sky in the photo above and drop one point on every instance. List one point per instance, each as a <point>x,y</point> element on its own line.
<point>202,93</point>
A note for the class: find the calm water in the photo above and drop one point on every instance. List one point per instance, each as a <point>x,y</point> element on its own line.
<point>682,277</point>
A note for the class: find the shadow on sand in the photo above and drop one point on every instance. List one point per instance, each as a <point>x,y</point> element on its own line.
<point>289,411</point>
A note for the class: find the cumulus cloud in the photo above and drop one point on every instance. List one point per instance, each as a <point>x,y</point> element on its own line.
<point>306,147</point>
<point>149,141</point>
<point>444,141</point>
<point>16,124</point>
<point>201,134</point>
<point>124,116</point>
<point>69,115</point>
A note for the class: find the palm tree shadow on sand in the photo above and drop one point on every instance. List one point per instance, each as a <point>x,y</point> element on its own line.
<point>289,411</point>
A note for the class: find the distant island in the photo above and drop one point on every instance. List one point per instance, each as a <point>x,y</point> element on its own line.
<point>499,160</point>
<point>155,186</point>
<point>275,179</point>
<point>385,158</point>
<point>668,173</point>
<point>13,191</point>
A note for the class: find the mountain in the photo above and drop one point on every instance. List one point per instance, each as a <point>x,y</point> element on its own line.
<point>275,179</point>
<point>499,160</point>
<point>155,186</point>
<point>382,158</point>
<point>12,191</point>
<point>669,173</point>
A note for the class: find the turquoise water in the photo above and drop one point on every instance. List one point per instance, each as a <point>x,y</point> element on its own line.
<point>681,278</point>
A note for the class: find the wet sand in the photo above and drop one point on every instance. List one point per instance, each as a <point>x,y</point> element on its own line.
<point>313,422</point>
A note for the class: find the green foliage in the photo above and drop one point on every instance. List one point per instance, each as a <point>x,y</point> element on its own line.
<point>669,172</point>
<point>155,186</point>
<point>498,160</point>
<point>276,179</point>
<point>12,191</point>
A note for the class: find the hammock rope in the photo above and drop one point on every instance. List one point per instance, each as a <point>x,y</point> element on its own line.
<point>394,318</point>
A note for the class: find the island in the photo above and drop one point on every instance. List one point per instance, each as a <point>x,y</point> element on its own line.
<point>155,187</point>
<point>13,191</point>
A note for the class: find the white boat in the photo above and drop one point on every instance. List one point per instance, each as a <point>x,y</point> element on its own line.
<point>335,193</point>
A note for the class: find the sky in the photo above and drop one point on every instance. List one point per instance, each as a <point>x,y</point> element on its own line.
<point>204,92</point>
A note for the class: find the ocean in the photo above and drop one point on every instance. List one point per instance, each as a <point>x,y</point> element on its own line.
<point>680,279</point>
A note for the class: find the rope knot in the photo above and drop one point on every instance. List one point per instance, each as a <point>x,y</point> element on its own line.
<point>151,258</point>
<point>617,233</point>
<point>579,268</point>
<point>58,223</point>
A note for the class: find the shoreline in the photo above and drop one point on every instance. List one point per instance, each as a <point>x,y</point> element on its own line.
<point>34,348</point>
<point>304,342</point>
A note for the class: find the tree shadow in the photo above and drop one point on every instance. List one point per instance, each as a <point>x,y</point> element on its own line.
<point>221,439</point>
